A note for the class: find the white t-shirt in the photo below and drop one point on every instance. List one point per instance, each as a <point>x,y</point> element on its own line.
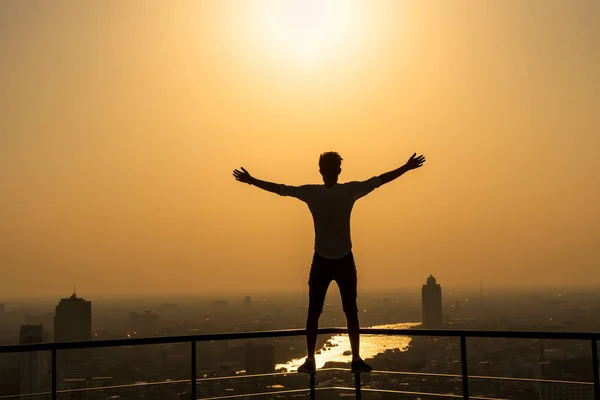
<point>331,208</point>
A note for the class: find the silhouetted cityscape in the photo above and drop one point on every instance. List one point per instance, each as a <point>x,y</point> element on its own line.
<point>73,320</point>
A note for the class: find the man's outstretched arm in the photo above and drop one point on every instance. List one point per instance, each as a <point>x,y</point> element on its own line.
<point>245,177</point>
<point>413,163</point>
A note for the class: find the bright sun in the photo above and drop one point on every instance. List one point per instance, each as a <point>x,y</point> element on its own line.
<point>309,27</point>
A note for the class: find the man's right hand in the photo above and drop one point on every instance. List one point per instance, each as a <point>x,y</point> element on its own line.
<point>242,176</point>
<point>415,162</point>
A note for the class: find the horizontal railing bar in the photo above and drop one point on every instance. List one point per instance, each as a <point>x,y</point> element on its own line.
<point>236,396</point>
<point>533,380</point>
<point>375,390</point>
<point>18,396</point>
<point>150,341</point>
<point>91,389</point>
<point>294,332</point>
<point>375,371</point>
<point>222,378</point>
<point>343,388</point>
<point>482,334</point>
<point>456,376</point>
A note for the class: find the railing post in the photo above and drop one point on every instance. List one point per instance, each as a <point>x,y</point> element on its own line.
<point>312,386</point>
<point>53,373</point>
<point>193,377</point>
<point>463,364</point>
<point>596,372</point>
<point>357,386</point>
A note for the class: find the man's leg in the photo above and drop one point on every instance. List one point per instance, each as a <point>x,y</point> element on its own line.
<point>353,332</point>
<point>312,328</point>
<point>346,279</point>
<point>318,283</point>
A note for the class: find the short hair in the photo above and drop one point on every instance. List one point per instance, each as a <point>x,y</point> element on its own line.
<point>330,161</point>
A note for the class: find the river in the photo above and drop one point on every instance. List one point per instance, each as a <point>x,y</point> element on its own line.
<point>370,346</point>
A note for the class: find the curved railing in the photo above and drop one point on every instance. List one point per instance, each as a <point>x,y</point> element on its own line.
<point>194,380</point>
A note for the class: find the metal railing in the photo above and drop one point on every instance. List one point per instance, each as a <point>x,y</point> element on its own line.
<point>193,339</point>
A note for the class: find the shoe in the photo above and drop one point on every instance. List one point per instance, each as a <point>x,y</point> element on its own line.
<point>308,367</point>
<point>359,366</point>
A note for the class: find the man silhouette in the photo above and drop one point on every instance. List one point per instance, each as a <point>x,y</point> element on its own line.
<point>331,205</point>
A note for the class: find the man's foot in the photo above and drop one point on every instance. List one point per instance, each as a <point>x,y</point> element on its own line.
<point>359,366</point>
<point>308,367</point>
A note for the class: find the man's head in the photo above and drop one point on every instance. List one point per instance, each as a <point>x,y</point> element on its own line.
<point>330,166</point>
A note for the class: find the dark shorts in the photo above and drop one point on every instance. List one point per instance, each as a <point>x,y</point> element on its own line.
<point>322,272</point>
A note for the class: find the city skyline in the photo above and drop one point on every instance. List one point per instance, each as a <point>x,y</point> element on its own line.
<point>538,359</point>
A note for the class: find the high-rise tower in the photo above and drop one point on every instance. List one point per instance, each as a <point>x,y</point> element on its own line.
<point>432,304</point>
<point>73,323</point>
<point>73,320</point>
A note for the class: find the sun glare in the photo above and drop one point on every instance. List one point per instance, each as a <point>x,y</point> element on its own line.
<point>308,28</point>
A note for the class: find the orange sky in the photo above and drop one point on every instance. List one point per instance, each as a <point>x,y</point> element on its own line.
<point>120,124</point>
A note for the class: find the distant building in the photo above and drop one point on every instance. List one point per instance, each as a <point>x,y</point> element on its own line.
<point>73,323</point>
<point>247,301</point>
<point>34,366</point>
<point>73,320</point>
<point>260,358</point>
<point>219,304</point>
<point>432,304</point>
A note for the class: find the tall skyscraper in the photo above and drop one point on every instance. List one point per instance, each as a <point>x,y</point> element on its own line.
<point>73,323</point>
<point>432,304</point>
<point>34,366</point>
<point>73,320</point>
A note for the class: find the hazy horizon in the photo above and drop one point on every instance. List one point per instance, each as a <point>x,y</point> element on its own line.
<point>120,124</point>
<point>302,295</point>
